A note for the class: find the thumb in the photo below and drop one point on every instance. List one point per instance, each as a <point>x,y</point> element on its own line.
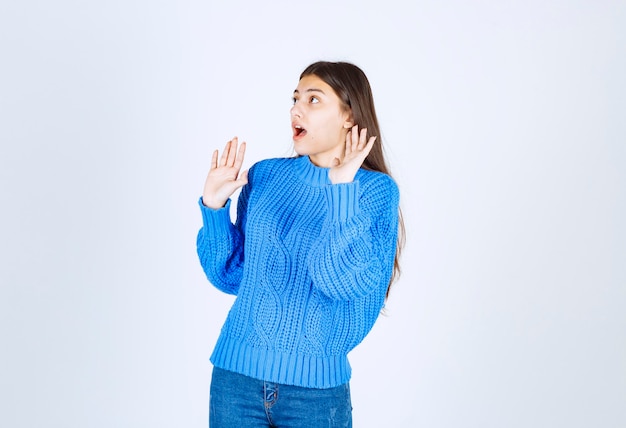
<point>336,162</point>
<point>243,178</point>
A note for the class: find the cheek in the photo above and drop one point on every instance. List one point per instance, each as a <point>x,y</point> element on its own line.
<point>334,124</point>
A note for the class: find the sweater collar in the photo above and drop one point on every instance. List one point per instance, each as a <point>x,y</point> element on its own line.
<point>311,174</point>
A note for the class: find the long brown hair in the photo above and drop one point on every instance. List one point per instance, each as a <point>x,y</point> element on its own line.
<point>353,89</point>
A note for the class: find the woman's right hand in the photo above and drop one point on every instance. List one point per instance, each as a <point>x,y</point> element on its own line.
<point>224,178</point>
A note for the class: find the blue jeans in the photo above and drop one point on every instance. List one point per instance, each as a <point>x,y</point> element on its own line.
<point>239,401</point>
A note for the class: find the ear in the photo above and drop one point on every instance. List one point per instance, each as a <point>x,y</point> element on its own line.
<point>349,123</point>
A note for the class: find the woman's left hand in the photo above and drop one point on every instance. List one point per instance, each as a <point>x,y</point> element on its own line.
<point>358,146</point>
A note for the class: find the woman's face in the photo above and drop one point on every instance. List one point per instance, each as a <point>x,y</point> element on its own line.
<point>318,121</point>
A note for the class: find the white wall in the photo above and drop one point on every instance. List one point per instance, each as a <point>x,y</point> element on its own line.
<point>505,127</point>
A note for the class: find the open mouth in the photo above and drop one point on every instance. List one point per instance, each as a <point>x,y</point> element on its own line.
<point>298,131</point>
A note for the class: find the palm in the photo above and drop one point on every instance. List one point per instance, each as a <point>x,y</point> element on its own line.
<point>358,146</point>
<point>224,178</point>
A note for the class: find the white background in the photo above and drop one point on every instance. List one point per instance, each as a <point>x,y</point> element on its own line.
<point>505,125</point>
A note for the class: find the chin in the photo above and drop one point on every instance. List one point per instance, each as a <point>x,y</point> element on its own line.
<point>299,149</point>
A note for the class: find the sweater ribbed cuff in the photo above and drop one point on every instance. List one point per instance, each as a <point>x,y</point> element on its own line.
<point>343,200</point>
<point>217,221</point>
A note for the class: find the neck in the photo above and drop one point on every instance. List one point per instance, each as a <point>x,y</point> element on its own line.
<point>327,159</point>
<point>324,160</point>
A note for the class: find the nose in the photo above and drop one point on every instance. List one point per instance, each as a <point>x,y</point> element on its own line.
<point>295,111</point>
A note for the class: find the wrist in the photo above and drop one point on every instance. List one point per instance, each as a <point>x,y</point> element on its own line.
<point>213,204</point>
<point>337,178</point>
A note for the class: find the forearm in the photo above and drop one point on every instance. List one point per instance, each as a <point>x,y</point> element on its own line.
<point>355,252</point>
<point>220,249</point>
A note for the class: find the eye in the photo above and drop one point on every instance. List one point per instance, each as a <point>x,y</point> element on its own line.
<point>314,100</point>
<point>294,99</point>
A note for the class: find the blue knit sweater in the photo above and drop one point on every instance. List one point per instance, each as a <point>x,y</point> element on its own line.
<point>309,261</point>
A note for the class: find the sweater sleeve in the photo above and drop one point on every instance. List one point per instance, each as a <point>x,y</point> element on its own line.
<point>220,244</point>
<point>355,252</point>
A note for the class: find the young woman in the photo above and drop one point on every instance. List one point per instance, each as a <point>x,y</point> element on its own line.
<point>310,258</point>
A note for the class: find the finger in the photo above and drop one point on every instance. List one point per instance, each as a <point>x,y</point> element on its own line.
<point>349,141</point>
<point>355,137</point>
<point>214,160</point>
<point>369,146</point>
<point>362,138</point>
<point>240,154</point>
<point>348,146</point>
<point>241,181</point>
<point>224,157</point>
<point>232,154</point>
<point>243,178</point>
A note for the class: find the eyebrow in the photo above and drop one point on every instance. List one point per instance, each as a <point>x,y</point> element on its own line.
<point>310,90</point>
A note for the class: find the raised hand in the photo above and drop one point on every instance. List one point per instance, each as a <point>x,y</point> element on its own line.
<point>224,178</point>
<point>358,146</point>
